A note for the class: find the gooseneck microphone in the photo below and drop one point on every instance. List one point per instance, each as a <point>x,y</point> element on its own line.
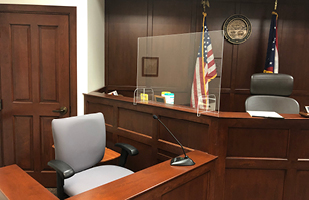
<point>179,161</point>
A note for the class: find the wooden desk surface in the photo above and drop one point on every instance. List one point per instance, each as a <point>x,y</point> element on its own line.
<point>108,155</point>
<point>145,180</point>
<point>228,115</point>
<point>17,184</point>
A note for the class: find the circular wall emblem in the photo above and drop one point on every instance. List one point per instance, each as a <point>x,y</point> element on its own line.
<point>237,29</point>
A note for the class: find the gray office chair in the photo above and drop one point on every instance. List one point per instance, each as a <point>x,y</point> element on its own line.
<point>270,93</point>
<point>79,145</point>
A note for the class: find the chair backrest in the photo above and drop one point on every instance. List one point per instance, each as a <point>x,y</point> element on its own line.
<point>80,141</point>
<point>271,93</point>
<point>271,84</point>
<point>277,104</point>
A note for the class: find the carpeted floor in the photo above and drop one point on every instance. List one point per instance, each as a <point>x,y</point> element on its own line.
<point>53,190</point>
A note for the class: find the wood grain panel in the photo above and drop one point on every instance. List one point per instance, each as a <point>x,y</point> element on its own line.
<point>302,144</point>
<point>126,21</point>
<point>49,79</point>
<point>252,53</point>
<point>132,120</point>
<point>269,143</point>
<point>46,135</point>
<point>187,132</point>
<point>293,41</point>
<point>254,184</point>
<point>239,102</point>
<point>107,111</point>
<point>23,141</point>
<point>197,188</point>
<point>168,20</point>
<point>302,185</point>
<point>109,139</point>
<point>145,157</point>
<point>21,62</point>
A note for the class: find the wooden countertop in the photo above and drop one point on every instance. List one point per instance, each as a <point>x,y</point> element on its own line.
<point>17,184</point>
<point>227,115</point>
<point>145,180</point>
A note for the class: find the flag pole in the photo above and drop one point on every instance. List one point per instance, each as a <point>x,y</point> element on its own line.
<point>275,5</point>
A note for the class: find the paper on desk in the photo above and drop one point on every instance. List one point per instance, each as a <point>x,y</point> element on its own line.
<point>269,114</point>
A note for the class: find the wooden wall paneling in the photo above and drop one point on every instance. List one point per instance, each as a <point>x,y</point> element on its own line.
<point>240,61</point>
<point>187,132</point>
<point>302,98</point>
<point>145,157</point>
<point>253,153</point>
<point>129,120</point>
<point>47,151</point>
<point>281,151</point>
<point>171,17</point>
<point>239,99</point>
<point>301,147</point>
<point>195,189</point>
<point>302,185</point>
<point>294,44</point>
<point>23,141</point>
<point>252,53</point>
<point>254,184</point>
<point>249,142</point>
<point>127,20</point>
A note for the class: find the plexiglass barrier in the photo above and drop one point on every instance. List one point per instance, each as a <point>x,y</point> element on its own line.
<point>182,70</point>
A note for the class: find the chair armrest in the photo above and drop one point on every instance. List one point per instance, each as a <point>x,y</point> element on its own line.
<point>126,149</point>
<point>62,168</point>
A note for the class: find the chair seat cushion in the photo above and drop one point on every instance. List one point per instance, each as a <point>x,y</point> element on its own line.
<point>93,178</point>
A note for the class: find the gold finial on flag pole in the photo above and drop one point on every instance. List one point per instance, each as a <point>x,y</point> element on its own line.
<point>205,3</point>
<point>276,4</point>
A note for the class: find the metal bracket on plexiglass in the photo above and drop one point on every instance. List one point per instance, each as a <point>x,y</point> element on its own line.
<point>142,98</point>
<point>206,104</point>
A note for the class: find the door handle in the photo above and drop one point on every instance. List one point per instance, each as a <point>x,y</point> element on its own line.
<point>63,110</point>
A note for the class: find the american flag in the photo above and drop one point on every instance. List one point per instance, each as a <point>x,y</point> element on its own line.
<point>205,69</point>
<point>272,57</point>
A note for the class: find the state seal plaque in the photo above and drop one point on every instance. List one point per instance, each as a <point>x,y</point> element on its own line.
<point>237,29</point>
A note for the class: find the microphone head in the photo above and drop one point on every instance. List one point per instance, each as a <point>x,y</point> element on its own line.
<point>155,116</point>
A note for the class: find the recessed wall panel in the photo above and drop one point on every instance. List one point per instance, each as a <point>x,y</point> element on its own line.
<point>302,144</point>
<point>49,64</point>
<point>47,151</point>
<point>23,141</point>
<point>106,110</point>
<point>136,121</point>
<point>145,154</point>
<point>190,134</point>
<point>21,62</point>
<point>195,189</point>
<point>302,185</point>
<point>254,184</point>
<point>249,142</point>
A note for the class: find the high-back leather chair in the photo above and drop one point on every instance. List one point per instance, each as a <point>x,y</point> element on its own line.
<point>270,93</point>
<point>79,145</point>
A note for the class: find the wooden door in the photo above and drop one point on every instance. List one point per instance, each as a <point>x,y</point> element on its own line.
<point>35,81</point>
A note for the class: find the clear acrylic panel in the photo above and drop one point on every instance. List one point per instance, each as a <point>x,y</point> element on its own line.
<point>170,70</point>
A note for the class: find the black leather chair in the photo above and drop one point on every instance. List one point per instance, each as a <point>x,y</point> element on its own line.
<point>270,93</point>
<point>79,145</point>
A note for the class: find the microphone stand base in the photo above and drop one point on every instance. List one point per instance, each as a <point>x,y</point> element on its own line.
<point>182,161</point>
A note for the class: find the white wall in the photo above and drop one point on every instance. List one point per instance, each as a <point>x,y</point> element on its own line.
<point>95,44</point>
<point>96,48</point>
